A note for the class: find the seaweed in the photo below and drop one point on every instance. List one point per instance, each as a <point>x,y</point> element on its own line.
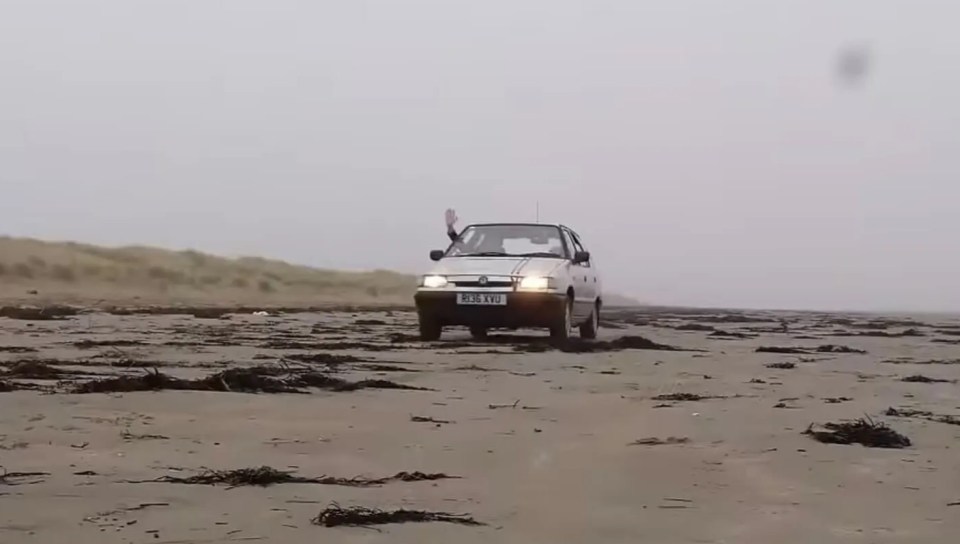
<point>920,378</point>
<point>833,348</point>
<point>358,516</point>
<point>265,476</point>
<point>33,370</point>
<point>148,381</point>
<point>88,344</point>
<point>422,419</point>
<point>653,441</point>
<point>17,478</point>
<point>786,350</point>
<point>923,414</point>
<point>17,349</point>
<point>256,379</point>
<point>578,345</point>
<point>863,431</point>
<point>682,397</point>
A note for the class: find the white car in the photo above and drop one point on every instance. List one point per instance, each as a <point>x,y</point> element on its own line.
<point>511,275</point>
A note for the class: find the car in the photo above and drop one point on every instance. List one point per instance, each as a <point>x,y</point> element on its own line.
<point>511,275</point>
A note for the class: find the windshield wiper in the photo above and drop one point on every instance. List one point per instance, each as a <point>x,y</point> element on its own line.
<point>539,254</point>
<point>485,254</point>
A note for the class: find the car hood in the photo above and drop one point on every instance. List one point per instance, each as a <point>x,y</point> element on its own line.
<point>497,266</point>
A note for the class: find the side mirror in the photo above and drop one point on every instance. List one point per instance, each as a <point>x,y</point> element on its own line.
<point>436,254</point>
<point>581,257</point>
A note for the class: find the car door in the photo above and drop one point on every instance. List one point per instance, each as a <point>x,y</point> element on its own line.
<point>579,276</point>
<point>591,287</point>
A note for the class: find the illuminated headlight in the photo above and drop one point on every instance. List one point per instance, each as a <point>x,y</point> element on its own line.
<point>538,283</point>
<point>434,282</point>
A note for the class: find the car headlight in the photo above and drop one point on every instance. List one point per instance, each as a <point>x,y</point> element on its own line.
<point>434,282</point>
<point>536,283</point>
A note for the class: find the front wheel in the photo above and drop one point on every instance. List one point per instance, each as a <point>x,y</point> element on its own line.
<point>589,328</point>
<point>430,329</point>
<point>561,328</point>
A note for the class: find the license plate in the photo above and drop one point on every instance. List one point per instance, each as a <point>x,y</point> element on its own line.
<point>482,299</point>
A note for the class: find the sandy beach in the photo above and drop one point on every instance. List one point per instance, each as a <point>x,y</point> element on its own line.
<point>695,438</point>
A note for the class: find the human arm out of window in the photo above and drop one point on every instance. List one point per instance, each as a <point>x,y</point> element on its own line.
<point>451,218</point>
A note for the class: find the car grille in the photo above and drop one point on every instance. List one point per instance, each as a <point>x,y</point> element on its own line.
<point>491,283</point>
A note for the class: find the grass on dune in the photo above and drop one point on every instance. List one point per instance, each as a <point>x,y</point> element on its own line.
<point>69,271</point>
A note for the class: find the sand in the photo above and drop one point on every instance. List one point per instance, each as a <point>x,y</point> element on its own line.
<point>548,446</point>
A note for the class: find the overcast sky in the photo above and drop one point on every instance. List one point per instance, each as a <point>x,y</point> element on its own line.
<point>706,151</point>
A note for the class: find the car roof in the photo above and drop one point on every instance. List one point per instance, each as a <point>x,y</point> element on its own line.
<point>555,225</point>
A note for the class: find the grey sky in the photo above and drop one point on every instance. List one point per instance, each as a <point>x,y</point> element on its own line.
<point>703,149</point>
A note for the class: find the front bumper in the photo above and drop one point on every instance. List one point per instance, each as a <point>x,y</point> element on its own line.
<point>523,309</point>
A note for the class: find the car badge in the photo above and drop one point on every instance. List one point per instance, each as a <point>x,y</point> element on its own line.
<point>483,280</point>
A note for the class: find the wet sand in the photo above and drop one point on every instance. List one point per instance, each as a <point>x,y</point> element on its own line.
<point>548,445</point>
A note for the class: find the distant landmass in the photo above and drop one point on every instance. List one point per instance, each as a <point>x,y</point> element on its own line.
<point>613,299</point>
<point>36,271</point>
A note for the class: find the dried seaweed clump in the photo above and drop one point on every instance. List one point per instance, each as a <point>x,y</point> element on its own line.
<point>265,476</point>
<point>862,431</point>
<point>89,344</point>
<point>148,381</point>
<point>422,419</point>
<point>923,414</point>
<point>323,358</point>
<point>920,378</point>
<point>654,441</point>
<point>259,476</point>
<point>681,397</point>
<point>17,349</point>
<point>48,313</point>
<point>21,478</point>
<point>358,516</point>
<point>577,345</point>
<point>322,381</point>
<point>256,379</point>
<point>249,380</point>
<point>882,334</point>
<point>696,327</point>
<point>834,348</point>
<point>779,349</point>
<point>33,370</point>
<point>729,334</point>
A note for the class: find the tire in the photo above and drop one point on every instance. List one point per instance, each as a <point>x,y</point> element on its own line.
<point>430,329</point>
<point>564,322</point>
<point>478,333</point>
<point>589,328</point>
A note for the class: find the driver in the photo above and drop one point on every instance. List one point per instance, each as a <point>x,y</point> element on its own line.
<point>490,245</point>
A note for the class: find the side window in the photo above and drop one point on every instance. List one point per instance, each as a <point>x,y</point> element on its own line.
<point>577,246</point>
<point>577,242</point>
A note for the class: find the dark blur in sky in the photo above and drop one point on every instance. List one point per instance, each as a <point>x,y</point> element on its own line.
<point>709,153</point>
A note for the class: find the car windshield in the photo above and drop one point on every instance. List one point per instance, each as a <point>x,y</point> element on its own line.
<point>508,241</point>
